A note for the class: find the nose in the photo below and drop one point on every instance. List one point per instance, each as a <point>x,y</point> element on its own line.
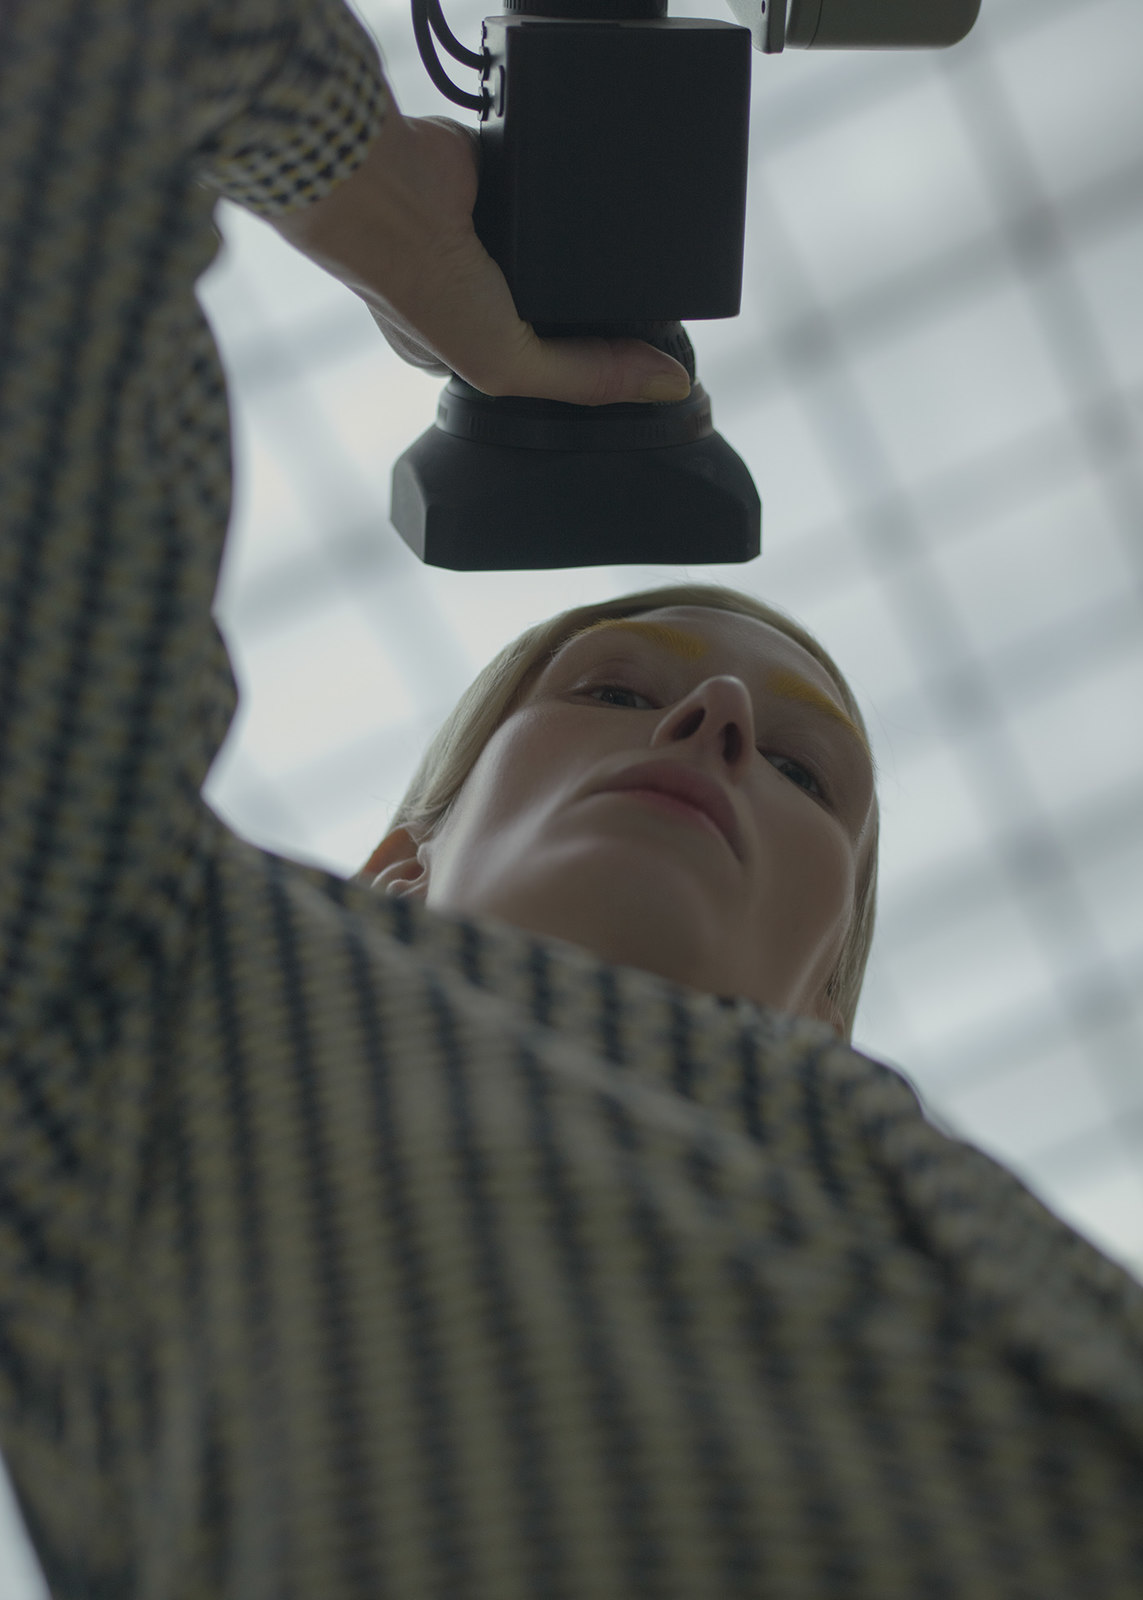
<point>716,715</point>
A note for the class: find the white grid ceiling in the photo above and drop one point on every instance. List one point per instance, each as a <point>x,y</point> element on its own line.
<point>937,383</point>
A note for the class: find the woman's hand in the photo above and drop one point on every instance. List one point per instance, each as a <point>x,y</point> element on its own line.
<point>399,233</point>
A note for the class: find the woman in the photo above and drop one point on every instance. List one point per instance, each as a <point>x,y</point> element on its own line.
<point>513,1223</point>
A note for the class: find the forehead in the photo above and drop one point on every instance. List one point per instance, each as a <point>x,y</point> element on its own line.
<point>725,641</point>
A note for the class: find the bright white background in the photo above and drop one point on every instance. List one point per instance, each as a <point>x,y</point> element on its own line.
<point>937,382</point>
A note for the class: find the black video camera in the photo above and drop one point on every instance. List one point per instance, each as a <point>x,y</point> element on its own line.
<point>614,143</point>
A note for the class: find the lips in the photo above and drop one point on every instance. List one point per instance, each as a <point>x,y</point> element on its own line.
<point>683,783</point>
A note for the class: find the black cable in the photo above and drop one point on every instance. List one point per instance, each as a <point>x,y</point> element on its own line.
<point>424,38</point>
<point>448,39</point>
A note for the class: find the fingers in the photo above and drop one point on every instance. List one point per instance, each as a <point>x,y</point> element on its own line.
<point>586,372</point>
<point>469,321</point>
<point>469,325</point>
<point>408,246</point>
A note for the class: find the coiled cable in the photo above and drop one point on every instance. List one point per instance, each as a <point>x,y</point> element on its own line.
<point>428,18</point>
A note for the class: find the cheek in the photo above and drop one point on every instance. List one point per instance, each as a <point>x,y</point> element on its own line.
<point>540,753</point>
<point>806,904</point>
<point>813,862</point>
<point>518,768</point>
<point>507,792</point>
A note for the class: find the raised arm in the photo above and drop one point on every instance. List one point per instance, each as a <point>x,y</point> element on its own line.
<point>115,692</point>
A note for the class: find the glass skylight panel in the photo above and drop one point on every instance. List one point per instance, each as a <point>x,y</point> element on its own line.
<point>1034,565</point>
<point>259,284</point>
<point>959,975</point>
<point>315,687</point>
<point>866,638</point>
<point>1020,1115</point>
<point>1085,739</point>
<point>899,188</point>
<point>1074,94</point>
<point>1110,271</point>
<point>783,450</point>
<point>965,381</point>
<point>1110,865</point>
<point>932,824</point>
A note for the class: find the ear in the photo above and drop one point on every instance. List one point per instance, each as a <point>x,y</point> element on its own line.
<point>396,866</point>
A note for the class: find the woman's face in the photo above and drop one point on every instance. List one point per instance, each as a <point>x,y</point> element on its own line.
<point>538,836</point>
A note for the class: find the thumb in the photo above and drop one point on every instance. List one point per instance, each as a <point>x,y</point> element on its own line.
<point>595,371</point>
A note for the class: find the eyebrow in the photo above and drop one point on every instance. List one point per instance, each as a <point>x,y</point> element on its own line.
<point>677,640</point>
<point>780,681</point>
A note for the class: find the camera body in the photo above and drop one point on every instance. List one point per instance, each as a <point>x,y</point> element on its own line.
<point>612,195</point>
<point>613,167</point>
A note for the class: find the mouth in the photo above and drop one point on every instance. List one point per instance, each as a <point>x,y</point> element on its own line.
<point>678,790</point>
<point>673,806</point>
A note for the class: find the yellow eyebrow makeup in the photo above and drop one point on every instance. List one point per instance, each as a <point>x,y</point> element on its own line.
<point>679,642</point>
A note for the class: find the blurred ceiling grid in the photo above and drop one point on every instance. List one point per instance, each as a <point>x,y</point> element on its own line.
<point>905,532</point>
<point>937,381</point>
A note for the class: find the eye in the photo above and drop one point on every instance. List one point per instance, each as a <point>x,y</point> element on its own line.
<point>799,774</point>
<point>618,688</point>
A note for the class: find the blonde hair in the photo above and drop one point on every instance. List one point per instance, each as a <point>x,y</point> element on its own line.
<point>496,692</point>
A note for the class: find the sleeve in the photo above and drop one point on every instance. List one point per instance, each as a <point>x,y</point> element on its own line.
<point>120,123</point>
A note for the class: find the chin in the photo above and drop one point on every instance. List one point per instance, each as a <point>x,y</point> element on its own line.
<point>651,932</point>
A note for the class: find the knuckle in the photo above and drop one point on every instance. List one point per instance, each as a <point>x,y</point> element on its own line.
<point>607,388</point>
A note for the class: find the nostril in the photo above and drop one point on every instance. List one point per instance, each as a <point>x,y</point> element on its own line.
<point>692,724</point>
